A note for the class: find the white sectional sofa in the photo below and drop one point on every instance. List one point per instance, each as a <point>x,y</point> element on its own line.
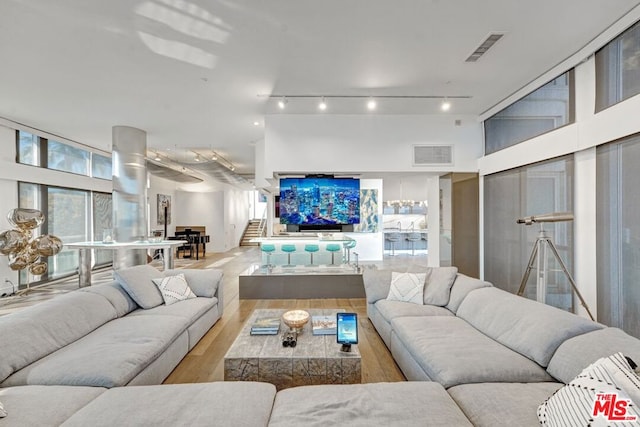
<point>498,355</point>
<point>102,336</point>
<point>474,355</point>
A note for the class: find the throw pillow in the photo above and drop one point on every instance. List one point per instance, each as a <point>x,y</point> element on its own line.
<point>600,395</point>
<point>174,289</point>
<point>137,281</point>
<point>203,283</point>
<point>437,286</point>
<point>407,287</point>
<point>3,413</point>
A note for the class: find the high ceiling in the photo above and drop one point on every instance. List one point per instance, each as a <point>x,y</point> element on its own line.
<point>197,74</point>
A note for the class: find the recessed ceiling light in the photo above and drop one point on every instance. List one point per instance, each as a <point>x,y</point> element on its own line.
<point>322,105</point>
<point>256,123</point>
<point>445,106</point>
<point>371,104</point>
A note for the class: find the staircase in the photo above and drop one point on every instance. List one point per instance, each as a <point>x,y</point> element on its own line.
<point>251,232</point>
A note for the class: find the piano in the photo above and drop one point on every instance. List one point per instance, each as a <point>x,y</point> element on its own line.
<point>196,236</point>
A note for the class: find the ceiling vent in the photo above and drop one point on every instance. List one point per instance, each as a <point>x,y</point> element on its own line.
<point>432,155</point>
<point>484,47</point>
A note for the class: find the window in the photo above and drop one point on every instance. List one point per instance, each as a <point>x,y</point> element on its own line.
<point>71,215</point>
<point>545,109</point>
<point>618,234</point>
<point>618,69</point>
<point>529,190</point>
<point>37,151</point>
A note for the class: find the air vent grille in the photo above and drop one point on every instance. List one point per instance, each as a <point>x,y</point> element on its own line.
<point>484,47</point>
<point>432,155</point>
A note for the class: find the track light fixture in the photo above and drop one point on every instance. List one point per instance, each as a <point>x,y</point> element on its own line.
<point>157,157</point>
<point>322,105</point>
<point>371,104</point>
<point>282,103</point>
<point>446,105</point>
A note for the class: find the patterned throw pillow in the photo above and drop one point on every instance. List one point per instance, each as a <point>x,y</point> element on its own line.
<point>174,289</point>
<point>605,393</point>
<point>407,287</point>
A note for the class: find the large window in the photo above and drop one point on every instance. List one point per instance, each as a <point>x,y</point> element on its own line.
<point>37,151</point>
<point>618,234</point>
<point>70,214</point>
<point>618,69</point>
<point>544,109</point>
<point>529,190</point>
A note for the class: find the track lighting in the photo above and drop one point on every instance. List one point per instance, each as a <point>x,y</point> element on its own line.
<point>282,103</point>
<point>322,105</point>
<point>446,105</point>
<point>214,157</point>
<point>157,158</point>
<point>197,157</point>
<point>371,104</point>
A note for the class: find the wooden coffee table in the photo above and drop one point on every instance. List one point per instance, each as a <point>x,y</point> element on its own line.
<point>316,359</point>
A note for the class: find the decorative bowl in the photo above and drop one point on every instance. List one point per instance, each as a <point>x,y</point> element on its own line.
<point>295,319</point>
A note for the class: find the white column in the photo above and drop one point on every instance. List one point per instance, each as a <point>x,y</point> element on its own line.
<point>433,221</point>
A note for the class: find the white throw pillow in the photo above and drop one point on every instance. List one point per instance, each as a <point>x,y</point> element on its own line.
<point>174,289</point>
<point>407,287</point>
<point>438,283</point>
<point>3,413</point>
<point>610,382</point>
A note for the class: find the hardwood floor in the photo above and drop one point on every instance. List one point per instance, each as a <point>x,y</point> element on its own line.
<point>206,361</point>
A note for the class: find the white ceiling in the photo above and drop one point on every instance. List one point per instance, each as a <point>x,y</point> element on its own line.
<point>190,72</point>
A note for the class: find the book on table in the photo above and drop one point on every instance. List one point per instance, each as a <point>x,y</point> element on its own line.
<point>324,325</point>
<point>266,326</point>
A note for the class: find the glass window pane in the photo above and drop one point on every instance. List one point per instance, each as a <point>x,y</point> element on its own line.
<point>100,166</point>
<point>529,190</point>
<point>67,218</point>
<point>28,148</point>
<point>66,158</point>
<point>618,69</point>
<point>545,109</point>
<point>618,234</point>
<point>102,218</point>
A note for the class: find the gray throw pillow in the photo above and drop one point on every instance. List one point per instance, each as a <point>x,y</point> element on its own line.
<point>437,285</point>
<point>138,282</point>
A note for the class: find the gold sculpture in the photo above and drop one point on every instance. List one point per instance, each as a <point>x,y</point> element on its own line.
<point>24,250</point>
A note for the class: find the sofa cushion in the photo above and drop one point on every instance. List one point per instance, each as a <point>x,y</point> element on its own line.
<point>406,287</point>
<point>452,352</point>
<point>609,381</point>
<point>367,405</point>
<point>532,329</point>
<point>243,404</point>
<point>577,353</point>
<point>461,288</point>
<point>116,295</point>
<point>44,405</point>
<point>137,281</point>
<point>33,333</point>
<point>376,283</point>
<point>203,283</point>
<point>110,356</point>
<point>502,404</point>
<point>437,285</point>
<point>392,309</point>
<point>190,309</point>
<point>174,289</point>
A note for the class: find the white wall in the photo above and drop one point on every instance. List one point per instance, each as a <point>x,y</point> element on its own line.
<point>364,143</point>
<point>369,246</point>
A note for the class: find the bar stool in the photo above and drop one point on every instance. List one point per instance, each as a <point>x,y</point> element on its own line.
<point>347,247</point>
<point>413,238</point>
<point>311,249</point>
<point>333,248</point>
<point>268,249</point>
<point>288,249</point>
<point>392,238</point>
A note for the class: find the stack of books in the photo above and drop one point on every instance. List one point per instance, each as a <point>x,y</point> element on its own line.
<point>324,325</point>
<point>266,326</point>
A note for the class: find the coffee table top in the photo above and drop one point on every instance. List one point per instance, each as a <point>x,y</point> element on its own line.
<point>270,346</point>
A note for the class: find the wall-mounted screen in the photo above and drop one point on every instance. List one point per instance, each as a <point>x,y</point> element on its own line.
<point>319,201</point>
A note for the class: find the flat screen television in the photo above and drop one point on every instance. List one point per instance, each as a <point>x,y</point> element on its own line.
<point>319,201</point>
